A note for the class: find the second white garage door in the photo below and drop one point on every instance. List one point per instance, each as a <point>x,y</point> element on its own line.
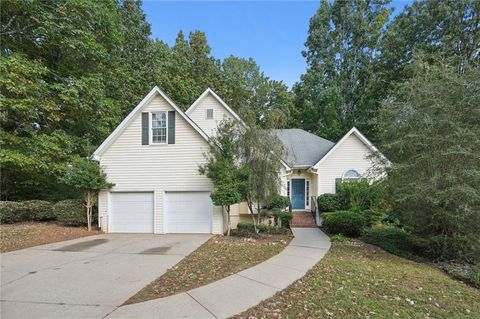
<point>188,212</point>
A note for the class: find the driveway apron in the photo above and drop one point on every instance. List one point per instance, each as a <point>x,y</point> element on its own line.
<point>88,277</point>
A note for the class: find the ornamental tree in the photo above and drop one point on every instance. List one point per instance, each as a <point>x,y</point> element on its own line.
<point>224,170</point>
<point>87,176</point>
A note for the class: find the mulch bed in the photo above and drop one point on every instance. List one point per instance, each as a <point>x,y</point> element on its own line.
<point>24,235</point>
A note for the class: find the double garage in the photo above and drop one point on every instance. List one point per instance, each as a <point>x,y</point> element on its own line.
<point>183,212</point>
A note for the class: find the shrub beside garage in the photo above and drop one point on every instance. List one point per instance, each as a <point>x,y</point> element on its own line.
<point>70,212</point>
<point>11,212</point>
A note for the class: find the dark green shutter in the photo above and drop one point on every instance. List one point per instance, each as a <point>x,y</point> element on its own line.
<point>145,138</point>
<point>171,127</point>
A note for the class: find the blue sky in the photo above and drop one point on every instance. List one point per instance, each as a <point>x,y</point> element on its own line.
<point>273,33</point>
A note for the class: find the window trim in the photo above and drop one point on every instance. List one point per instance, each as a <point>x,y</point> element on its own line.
<point>351,178</point>
<point>150,128</point>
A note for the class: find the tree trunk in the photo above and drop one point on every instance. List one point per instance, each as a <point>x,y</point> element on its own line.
<point>250,206</point>
<point>228,220</point>
<point>258,214</point>
<point>89,200</point>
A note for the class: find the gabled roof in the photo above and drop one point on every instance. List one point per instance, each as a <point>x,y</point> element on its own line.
<point>219,99</point>
<point>121,127</point>
<point>303,149</point>
<point>362,138</point>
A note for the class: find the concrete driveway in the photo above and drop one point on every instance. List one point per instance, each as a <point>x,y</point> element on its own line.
<point>87,277</point>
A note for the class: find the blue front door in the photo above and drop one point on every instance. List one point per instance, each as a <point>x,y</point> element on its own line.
<point>298,193</point>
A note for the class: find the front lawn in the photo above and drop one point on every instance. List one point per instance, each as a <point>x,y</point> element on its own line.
<point>28,234</point>
<point>357,280</point>
<point>219,257</point>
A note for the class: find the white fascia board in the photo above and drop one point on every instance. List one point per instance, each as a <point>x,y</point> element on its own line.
<point>156,90</point>
<point>362,138</point>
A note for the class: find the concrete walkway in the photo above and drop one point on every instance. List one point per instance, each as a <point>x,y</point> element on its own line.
<point>241,291</point>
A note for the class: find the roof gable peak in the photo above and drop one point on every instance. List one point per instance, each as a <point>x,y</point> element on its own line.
<point>216,97</point>
<point>361,137</point>
<point>129,118</point>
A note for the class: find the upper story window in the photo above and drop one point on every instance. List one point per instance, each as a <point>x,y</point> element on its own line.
<point>350,175</point>
<point>159,128</point>
<point>209,114</point>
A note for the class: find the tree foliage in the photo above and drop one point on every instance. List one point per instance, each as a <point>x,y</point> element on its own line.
<point>431,131</point>
<point>356,54</point>
<point>71,70</point>
<point>260,153</point>
<point>340,88</point>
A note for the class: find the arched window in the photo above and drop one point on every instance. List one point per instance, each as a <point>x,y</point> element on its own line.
<point>350,175</point>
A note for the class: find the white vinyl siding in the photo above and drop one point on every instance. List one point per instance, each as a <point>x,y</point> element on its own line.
<point>351,154</point>
<point>198,114</point>
<point>134,167</point>
<point>103,210</point>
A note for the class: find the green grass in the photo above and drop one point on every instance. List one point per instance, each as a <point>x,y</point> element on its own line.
<point>357,280</point>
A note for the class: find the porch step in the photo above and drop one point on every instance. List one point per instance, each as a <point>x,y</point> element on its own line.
<point>303,219</point>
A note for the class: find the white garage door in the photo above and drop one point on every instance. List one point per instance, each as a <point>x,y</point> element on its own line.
<point>131,213</point>
<point>188,212</point>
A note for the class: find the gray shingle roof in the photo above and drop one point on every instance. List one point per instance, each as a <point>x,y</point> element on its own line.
<point>302,148</point>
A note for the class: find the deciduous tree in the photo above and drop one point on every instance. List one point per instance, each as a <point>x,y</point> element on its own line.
<point>223,168</point>
<point>86,176</point>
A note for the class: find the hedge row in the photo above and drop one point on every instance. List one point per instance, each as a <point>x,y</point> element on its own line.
<point>68,212</point>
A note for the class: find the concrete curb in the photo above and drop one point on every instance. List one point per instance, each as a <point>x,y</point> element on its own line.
<point>239,292</point>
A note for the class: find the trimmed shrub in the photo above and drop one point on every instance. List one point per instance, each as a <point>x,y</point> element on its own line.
<point>373,217</point>
<point>396,241</point>
<point>280,202</point>
<point>12,212</point>
<point>71,212</point>
<point>284,217</point>
<point>249,227</point>
<point>347,223</point>
<point>331,203</point>
<point>38,210</point>
<point>361,195</point>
